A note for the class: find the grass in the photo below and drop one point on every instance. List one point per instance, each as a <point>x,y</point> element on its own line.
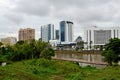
<point>42,69</point>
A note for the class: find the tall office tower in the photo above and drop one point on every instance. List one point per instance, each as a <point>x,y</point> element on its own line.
<point>47,32</point>
<point>57,34</point>
<point>26,34</point>
<point>66,31</point>
<point>95,36</point>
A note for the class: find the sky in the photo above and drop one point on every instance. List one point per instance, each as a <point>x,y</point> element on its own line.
<point>16,14</point>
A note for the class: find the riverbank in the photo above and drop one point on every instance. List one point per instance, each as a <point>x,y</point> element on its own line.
<point>42,69</point>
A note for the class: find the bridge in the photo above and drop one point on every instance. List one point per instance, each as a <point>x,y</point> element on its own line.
<point>81,61</point>
<point>84,62</point>
<point>84,58</point>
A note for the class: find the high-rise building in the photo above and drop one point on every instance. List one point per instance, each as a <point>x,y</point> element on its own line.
<point>66,31</point>
<point>9,40</point>
<point>26,34</point>
<point>57,34</point>
<point>95,36</point>
<point>47,32</point>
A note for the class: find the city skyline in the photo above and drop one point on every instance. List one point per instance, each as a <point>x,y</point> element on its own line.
<point>16,14</point>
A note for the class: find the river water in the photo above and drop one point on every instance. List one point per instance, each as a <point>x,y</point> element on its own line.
<point>88,57</point>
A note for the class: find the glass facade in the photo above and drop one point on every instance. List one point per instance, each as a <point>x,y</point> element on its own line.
<point>62,28</point>
<point>57,34</point>
<point>49,31</point>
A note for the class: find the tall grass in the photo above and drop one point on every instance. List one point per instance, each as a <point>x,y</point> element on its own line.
<point>42,69</point>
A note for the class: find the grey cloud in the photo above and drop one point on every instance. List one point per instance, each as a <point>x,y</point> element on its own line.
<point>33,7</point>
<point>80,10</point>
<point>6,26</point>
<point>60,4</point>
<point>104,13</point>
<point>15,18</point>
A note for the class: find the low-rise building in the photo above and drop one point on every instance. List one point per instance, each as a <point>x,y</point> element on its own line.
<point>9,40</point>
<point>99,36</point>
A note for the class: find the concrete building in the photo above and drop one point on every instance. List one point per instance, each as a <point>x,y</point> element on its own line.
<point>26,34</point>
<point>54,43</point>
<point>95,36</point>
<point>66,31</point>
<point>9,41</point>
<point>47,32</point>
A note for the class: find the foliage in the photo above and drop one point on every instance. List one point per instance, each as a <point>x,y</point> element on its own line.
<point>37,69</point>
<point>47,53</point>
<point>112,51</point>
<point>20,42</point>
<point>26,50</point>
<point>1,43</point>
<point>44,69</point>
<point>80,45</point>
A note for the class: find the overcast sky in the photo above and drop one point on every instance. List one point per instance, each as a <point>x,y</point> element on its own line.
<point>16,14</point>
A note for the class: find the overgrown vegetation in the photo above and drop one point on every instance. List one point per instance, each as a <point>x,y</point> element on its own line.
<point>44,69</point>
<point>112,51</point>
<point>33,68</point>
<point>26,50</point>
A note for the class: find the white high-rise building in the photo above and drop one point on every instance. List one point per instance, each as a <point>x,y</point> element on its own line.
<point>95,36</point>
<point>66,31</point>
<point>47,32</point>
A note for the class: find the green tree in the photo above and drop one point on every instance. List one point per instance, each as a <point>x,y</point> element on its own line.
<point>5,53</point>
<point>26,50</point>
<point>1,44</point>
<point>80,45</point>
<point>39,47</point>
<point>112,51</point>
<point>109,56</point>
<point>20,42</point>
<point>47,53</point>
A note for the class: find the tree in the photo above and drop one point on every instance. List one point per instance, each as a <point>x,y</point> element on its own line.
<point>47,53</point>
<point>20,42</point>
<point>112,51</point>
<point>26,50</point>
<point>5,53</point>
<point>80,45</point>
<point>1,44</point>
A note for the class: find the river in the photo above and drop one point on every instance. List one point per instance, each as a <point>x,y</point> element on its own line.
<point>88,56</point>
